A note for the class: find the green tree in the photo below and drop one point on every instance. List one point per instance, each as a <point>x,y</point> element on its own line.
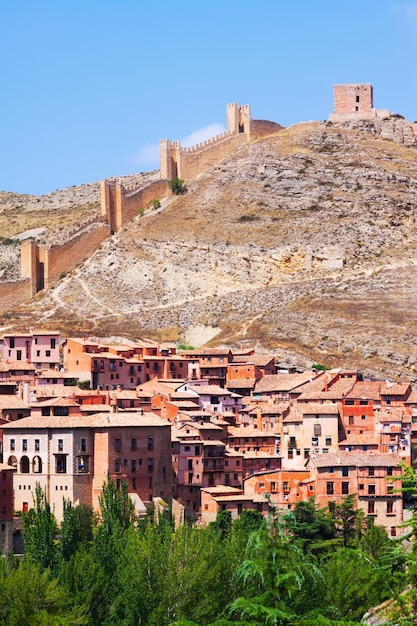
<point>39,532</point>
<point>348,520</point>
<point>89,586</point>
<point>177,186</point>
<point>282,585</point>
<point>30,598</point>
<point>222,523</point>
<point>311,527</point>
<point>76,529</point>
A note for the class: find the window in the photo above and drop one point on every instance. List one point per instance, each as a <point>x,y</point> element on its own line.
<point>150,465</point>
<point>363,417</point>
<point>133,444</point>
<point>390,488</point>
<point>351,421</point>
<point>61,411</point>
<point>314,441</point>
<point>53,343</point>
<point>12,342</point>
<point>390,508</point>
<point>197,451</point>
<point>60,445</point>
<point>150,444</point>
<point>328,441</point>
<point>37,445</point>
<point>363,402</point>
<point>329,488</point>
<point>389,471</point>
<point>61,464</point>
<point>291,453</point>
<point>12,445</point>
<point>133,466</point>
<point>371,508</point>
<point>117,444</point>
<point>83,445</point>
<point>47,353</point>
<point>345,471</point>
<point>292,442</point>
<point>286,485</point>
<point>306,453</point>
<point>371,490</point>
<point>317,430</point>
<point>134,483</point>
<point>273,486</point>
<point>371,471</point>
<point>24,445</point>
<point>345,488</point>
<point>350,402</point>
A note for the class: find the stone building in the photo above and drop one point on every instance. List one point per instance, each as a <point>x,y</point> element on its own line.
<point>71,457</point>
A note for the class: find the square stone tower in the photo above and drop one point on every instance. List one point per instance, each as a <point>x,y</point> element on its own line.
<point>353,99</point>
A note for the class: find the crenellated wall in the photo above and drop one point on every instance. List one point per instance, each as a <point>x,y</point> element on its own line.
<point>119,205</point>
<point>186,163</point>
<point>42,265</point>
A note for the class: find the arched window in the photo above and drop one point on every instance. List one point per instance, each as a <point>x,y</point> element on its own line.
<point>24,465</point>
<point>37,465</point>
<point>12,461</point>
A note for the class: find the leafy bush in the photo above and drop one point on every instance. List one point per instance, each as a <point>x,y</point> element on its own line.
<point>177,186</point>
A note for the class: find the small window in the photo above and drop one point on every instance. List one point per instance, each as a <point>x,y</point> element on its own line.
<point>345,488</point>
<point>133,444</point>
<point>12,445</point>
<point>328,441</point>
<point>150,444</point>
<point>150,465</point>
<point>83,445</point>
<point>117,444</point>
<point>37,445</point>
<point>351,420</point>
<point>371,490</point>
<point>371,471</point>
<point>24,445</point>
<point>371,508</point>
<point>60,445</point>
<point>329,488</point>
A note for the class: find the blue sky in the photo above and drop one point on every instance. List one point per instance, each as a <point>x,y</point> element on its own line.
<point>89,87</point>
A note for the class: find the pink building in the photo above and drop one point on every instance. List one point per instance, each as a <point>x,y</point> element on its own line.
<point>39,348</point>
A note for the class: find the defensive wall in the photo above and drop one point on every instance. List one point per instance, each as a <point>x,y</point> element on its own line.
<point>13,293</point>
<point>187,163</point>
<point>119,205</point>
<point>43,265</point>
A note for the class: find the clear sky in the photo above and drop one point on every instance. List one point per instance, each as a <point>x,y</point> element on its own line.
<point>89,87</point>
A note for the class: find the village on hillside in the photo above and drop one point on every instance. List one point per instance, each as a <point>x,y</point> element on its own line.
<point>202,429</point>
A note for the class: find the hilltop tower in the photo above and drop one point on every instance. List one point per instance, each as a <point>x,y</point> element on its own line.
<point>353,99</point>
<point>238,119</point>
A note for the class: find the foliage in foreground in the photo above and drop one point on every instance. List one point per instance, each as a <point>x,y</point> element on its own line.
<point>309,567</point>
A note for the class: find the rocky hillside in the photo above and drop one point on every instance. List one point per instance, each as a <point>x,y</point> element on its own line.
<point>302,243</point>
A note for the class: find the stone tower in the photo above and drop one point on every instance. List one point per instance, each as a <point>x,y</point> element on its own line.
<point>353,99</point>
<point>238,119</point>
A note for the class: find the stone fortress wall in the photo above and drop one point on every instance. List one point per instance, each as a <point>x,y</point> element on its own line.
<point>42,266</point>
<point>119,204</point>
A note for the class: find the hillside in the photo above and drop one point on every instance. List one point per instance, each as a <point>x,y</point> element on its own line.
<point>245,257</point>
